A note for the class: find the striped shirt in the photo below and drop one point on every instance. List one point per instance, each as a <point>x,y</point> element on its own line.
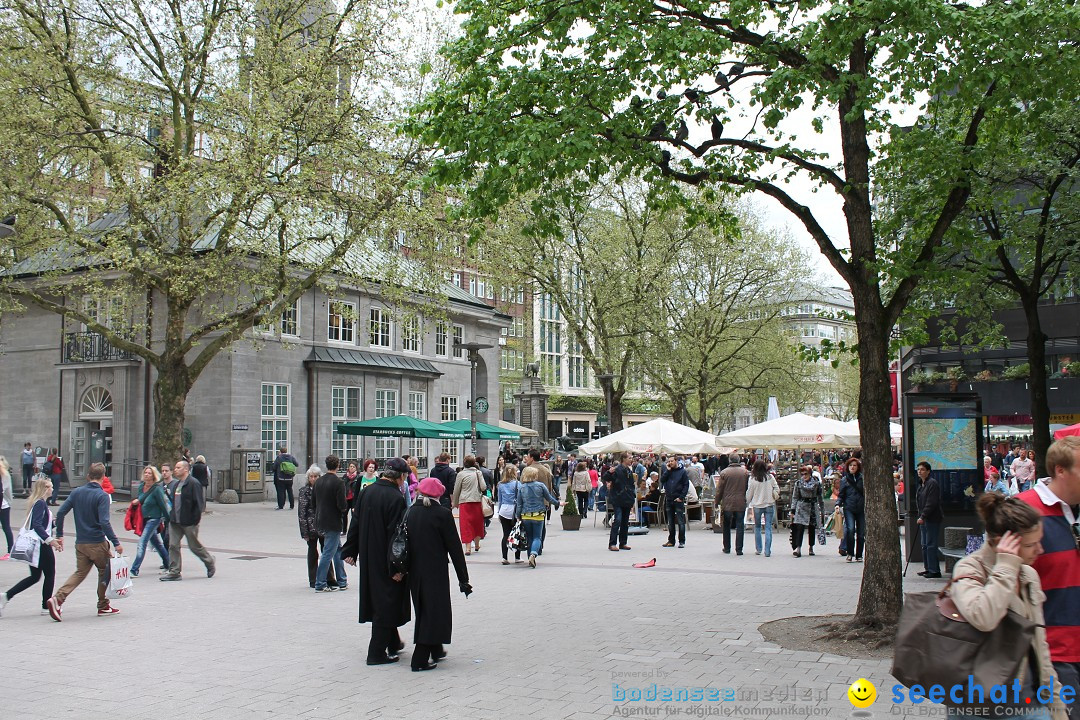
<point>1059,572</point>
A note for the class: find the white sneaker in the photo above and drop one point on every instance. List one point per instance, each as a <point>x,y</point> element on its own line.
<point>44,611</point>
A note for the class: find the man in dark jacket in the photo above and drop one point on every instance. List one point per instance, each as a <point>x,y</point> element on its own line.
<point>328,503</point>
<point>94,540</point>
<point>284,469</point>
<point>384,597</point>
<point>201,472</point>
<point>928,500</point>
<point>676,483</point>
<point>620,500</point>
<point>445,474</point>
<point>188,503</point>
<point>731,499</point>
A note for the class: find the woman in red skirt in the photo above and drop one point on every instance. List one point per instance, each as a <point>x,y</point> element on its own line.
<point>468,491</point>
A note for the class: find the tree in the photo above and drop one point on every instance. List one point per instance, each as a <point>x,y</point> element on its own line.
<point>707,95</point>
<point>1019,238</point>
<point>237,154</point>
<point>714,327</point>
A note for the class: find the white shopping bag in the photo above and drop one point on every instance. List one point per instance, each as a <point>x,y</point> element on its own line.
<point>119,579</point>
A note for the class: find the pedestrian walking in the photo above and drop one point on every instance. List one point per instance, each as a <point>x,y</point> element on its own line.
<point>155,511</point>
<point>6,498</point>
<point>94,541</point>
<point>807,509</point>
<point>432,541</point>
<point>761,495</point>
<point>852,500</point>
<point>54,468</point>
<point>506,500</point>
<point>532,496</point>
<point>40,519</point>
<point>467,498</point>
<point>384,596</point>
<point>731,501</point>
<point>188,504</point>
<point>581,483</point>
<point>284,470</point>
<point>331,514</point>
<point>305,514</point>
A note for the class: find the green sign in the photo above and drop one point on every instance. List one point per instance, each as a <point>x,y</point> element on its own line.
<point>481,404</point>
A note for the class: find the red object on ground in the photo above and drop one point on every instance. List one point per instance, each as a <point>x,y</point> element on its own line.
<point>651,563</point>
<point>1066,431</point>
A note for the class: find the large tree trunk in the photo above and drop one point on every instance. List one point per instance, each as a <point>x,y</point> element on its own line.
<point>170,398</point>
<point>881,593</point>
<point>1040,403</point>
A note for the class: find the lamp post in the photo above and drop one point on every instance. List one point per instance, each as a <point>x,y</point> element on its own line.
<point>607,396</point>
<point>473,349</point>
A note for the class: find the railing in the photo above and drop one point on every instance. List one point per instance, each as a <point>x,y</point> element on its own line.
<point>80,347</point>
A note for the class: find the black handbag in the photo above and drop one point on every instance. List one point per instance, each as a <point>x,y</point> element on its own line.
<point>935,645</point>
<point>399,547</point>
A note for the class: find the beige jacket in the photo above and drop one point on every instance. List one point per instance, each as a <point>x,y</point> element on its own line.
<point>469,486</point>
<point>582,481</point>
<point>984,601</point>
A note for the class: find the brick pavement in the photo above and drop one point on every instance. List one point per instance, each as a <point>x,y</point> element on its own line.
<point>549,643</point>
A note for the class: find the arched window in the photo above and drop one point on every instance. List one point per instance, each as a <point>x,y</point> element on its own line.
<point>97,404</point>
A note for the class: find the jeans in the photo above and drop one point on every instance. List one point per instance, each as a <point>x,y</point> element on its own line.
<point>150,534</point>
<point>534,531</point>
<point>5,522</point>
<point>507,526</point>
<point>284,487</point>
<point>330,553</point>
<point>620,525</point>
<point>55,487</point>
<point>928,532</point>
<point>27,476</point>
<point>768,513</point>
<point>583,502</point>
<point>314,543</point>
<point>46,568</point>
<point>676,517</point>
<point>733,520</point>
<point>854,532</point>
<point>1069,675</point>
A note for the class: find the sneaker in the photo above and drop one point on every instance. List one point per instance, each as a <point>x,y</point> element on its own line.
<point>326,588</point>
<point>44,611</point>
<point>107,611</point>
<point>850,559</point>
<point>505,561</point>
<point>5,556</point>
<point>170,578</point>
<point>134,573</point>
<point>3,602</point>
<point>343,587</point>
<point>211,570</point>
<point>54,609</point>
<point>682,545</point>
<point>668,544</point>
<point>532,561</point>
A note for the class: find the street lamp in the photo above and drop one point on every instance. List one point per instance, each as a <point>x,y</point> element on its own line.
<point>473,349</point>
<point>607,396</point>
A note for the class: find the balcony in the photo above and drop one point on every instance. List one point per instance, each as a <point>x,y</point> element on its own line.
<point>90,347</point>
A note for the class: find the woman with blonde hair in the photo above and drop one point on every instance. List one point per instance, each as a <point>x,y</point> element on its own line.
<point>529,506</point>
<point>506,503</point>
<point>997,578</point>
<point>155,510</point>
<point>40,519</point>
<point>5,504</point>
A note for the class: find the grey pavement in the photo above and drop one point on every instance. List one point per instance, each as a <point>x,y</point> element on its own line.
<point>561,641</point>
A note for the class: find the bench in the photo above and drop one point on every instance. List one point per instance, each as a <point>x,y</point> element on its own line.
<point>951,555</point>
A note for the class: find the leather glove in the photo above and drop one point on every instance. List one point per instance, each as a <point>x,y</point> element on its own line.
<point>465,588</point>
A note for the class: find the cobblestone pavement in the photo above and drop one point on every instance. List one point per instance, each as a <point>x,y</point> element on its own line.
<point>561,641</point>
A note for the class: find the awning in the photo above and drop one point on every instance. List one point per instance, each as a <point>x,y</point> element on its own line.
<point>374,360</point>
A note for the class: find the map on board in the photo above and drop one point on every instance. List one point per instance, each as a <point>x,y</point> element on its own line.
<point>946,443</point>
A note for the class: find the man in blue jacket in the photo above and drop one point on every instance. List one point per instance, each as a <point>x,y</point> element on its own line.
<point>676,484</point>
<point>94,540</point>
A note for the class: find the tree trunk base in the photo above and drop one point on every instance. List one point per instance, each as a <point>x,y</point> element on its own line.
<point>832,634</point>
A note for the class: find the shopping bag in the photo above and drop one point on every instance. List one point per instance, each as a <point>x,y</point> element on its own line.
<point>27,547</point>
<point>517,540</point>
<point>838,523</point>
<point>821,535</point>
<point>119,579</point>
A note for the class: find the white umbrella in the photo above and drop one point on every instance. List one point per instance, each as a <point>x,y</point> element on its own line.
<point>773,413</point>
<point>853,437</point>
<point>655,436</point>
<point>797,430</point>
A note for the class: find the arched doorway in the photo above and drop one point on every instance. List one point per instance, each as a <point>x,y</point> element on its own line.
<point>91,434</point>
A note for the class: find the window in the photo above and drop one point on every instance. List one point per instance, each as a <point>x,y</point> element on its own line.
<point>449,410</point>
<point>275,417</point>
<point>341,326</point>
<point>386,405</point>
<point>550,342</point>
<point>472,285</point>
<point>459,337</point>
<point>378,328</point>
<point>417,409</point>
<point>290,319</point>
<point>440,339</point>
<point>344,407</point>
<point>410,334</point>
<point>519,326</point>
<point>104,311</point>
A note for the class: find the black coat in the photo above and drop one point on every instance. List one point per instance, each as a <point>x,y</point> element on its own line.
<point>433,538</point>
<point>928,500</point>
<point>446,475</point>
<point>622,490</point>
<point>852,494</point>
<point>328,503</point>
<point>379,509</point>
<point>200,472</point>
<point>191,501</point>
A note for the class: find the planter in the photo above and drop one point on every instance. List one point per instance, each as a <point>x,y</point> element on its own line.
<point>571,522</point>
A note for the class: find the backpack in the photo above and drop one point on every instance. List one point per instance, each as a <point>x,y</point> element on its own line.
<point>47,467</point>
<point>287,469</point>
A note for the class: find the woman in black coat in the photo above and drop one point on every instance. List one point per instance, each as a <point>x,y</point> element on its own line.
<point>384,599</point>
<point>432,538</point>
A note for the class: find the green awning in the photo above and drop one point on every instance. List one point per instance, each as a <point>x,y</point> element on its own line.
<point>483,430</point>
<point>398,426</point>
